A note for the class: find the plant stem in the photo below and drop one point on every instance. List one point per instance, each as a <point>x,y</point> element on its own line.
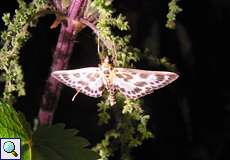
<point>61,57</point>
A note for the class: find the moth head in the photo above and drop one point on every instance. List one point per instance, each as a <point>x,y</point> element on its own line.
<point>108,63</point>
<point>108,60</point>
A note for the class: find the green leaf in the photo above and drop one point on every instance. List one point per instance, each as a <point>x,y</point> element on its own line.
<point>55,142</point>
<point>47,142</point>
<point>14,125</point>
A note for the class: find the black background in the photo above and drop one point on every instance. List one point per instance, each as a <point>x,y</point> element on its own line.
<point>190,118</point>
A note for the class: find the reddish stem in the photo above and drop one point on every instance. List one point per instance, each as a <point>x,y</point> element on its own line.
<point>61,57</point>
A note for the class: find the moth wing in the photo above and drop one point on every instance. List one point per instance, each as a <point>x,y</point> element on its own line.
<point>135,83</point>
<point>86,80</point>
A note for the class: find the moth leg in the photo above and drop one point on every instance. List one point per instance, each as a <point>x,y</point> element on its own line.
<point>76,94</point>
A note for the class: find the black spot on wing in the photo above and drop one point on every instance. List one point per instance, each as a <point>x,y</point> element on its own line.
<point>82,83</point>
<point>144,75</point>
<point>137,90</point>
<point>140,84</point>
<point>122,89</point>
<point>127,76</point>
<point>101,88</point>
<point>77,75</point>
<point>160,77</point>
<point>91,77</point>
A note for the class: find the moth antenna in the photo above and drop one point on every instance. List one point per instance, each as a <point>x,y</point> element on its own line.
<point>114,54</point>
<point>98,43</point>
<point>75,95</point>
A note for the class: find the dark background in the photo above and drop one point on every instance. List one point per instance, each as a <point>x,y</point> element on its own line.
<point>190,118</point>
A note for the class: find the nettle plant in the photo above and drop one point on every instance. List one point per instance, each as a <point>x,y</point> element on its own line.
<point>47,141</point>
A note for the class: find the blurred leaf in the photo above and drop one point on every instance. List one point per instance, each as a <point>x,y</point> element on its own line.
<point>47,142</point>
<point>14,125</point>
<point>55,142</point>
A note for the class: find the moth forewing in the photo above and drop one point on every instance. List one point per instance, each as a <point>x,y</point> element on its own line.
<point>135,83</point>
<point>85,80</point>
<point>163,78</point>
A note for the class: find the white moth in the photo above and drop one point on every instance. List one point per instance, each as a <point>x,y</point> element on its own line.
<point>132,83</point>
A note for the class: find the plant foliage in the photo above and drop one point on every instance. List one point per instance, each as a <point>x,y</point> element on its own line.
<point>13,39</point>
<point>174,9</point>
<point>47,142</point>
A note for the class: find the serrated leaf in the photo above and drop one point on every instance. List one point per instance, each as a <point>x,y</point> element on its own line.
<point>14,125</point>
<point>55,142</point>
<point>47,142</point>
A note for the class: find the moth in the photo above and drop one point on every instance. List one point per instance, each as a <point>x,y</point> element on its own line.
<point>132,83</point>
